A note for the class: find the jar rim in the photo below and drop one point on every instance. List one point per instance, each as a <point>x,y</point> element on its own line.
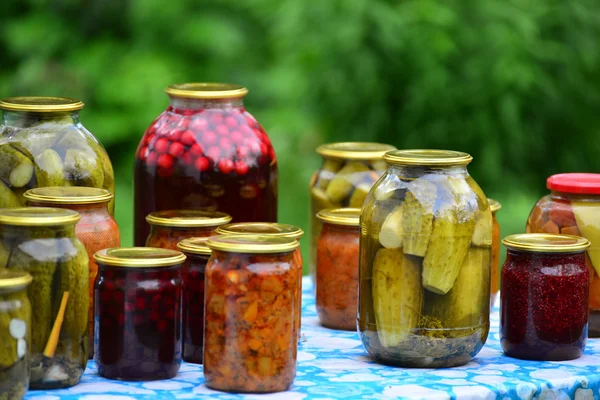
<point>495,205</point>
<point>340,216</point>
<point>68,195</point>
<point>427,157</point>
<point>194,245</point>
<point>253,244</point>
<point>40,104</point>
<point>14,279</point>
<point>574,183</point>
<point>546,243</point>
<point>187,218</point>
<point>145,257</point>
<point>354,150</point>
<point>261,228</point>
<point>206,90</point>
<point>38,216</point>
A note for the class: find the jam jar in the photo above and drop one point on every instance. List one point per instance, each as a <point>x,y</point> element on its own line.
<point>573,207</point>
<point>15,333</point>
<point>250,338</point>
<point>192,274</point>
<point>167,228</point>
<point>337,268</point>
<point>97,229</point>
<point>138,313</point>
<point>495,206</point>
<point>42,242</point>
<point>544,297</point>
<point>425,259</point>
<point>43,143</point>
<point>205,146</point>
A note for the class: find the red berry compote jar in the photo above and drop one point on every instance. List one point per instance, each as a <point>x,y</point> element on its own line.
<point>205,147</point>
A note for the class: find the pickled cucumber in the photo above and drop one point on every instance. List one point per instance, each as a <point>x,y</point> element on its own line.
<point>328,170</point>
<point>588,222</point>
<point>345,180</point>
<point>15,167</point>
<point>320,201</point>
<point>82,168</point>
<point>482,234</point>
<point>417,216</point>
<point>391,234</point>
<point>359,194</point>
<point>7,198</point>
<point>49,169</point>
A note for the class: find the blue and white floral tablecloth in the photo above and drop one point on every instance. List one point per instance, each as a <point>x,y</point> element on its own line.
<point>334,365</point>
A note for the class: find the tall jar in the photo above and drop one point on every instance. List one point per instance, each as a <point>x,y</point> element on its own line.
<point>495,206</point>
<point>42,242</point>
<point>425,255</point>
<point>250,338</point>
<point>573,207</point>
<point>43,143</point>
<point>348,171</point>
<point>15,334</point>
<point>97,229</point>
<point>205,147</point>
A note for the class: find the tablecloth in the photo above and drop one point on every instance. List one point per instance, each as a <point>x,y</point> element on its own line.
<point>334,365</point>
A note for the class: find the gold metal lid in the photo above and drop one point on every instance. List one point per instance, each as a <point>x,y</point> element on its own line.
<point>14,279</point>
<point>188,218</point>
<point>261,228</point>
<point>427,157</point>
<point>194,245</point>
<point>38,216</point>
<point>68,195</point>
<point>340,216</point>
<point>257,244</point>
<point>355,150</point>
<point>546,243</point>
<point>147,257</point>
<point>202,90</point>
<point>494,205</point>
<point>40,104</point>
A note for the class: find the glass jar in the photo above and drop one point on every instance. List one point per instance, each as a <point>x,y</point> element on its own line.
<point>573,208</point>
<point>15,334</point>
<point>425,255</point>
<point>96,229</point>
<point>42,242</point>
<point>348,171</point>
<point>138,313</point>
<point>337,268</point>
<point>167,228</point>
<point>42,143</point>
<point>250,338</point>
<point>495,206</point>
<point>192,274</point>
<point>205,145</point>
<point>544,297</point>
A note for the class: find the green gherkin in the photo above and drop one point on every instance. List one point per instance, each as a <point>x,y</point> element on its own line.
<point>345,180</point>
<point>330,167</point>
<point>49,169</point>
<point>482,234</point>
<point>8,199</point>
<point>15,166</point>
<point>9,354</point>
<point>417,216</point>
<point>83,169</point>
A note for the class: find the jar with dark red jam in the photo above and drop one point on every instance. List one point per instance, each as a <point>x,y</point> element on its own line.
<point>138,313</point>
<point>205,148</point>
<point>192,274</point>
<point>544,297</point>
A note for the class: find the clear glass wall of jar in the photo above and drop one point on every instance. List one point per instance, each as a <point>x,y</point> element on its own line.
<point>495,206</point>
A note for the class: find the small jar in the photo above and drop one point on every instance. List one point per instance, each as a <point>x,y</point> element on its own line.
<point>250,338</point>
<point>167,228</point>
<point>138,313</point>
<point>544,297</point>
<point>97,229</point>
<point>495,206</point>
<point>192,275</point>
<point>337,268</point>
<point>15,331</point>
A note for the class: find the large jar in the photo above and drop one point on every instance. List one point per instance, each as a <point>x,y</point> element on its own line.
<point>425,255</point>
<point>42,242</point>
<point>42,143</point>
<point>348,171</point>
<point>250,338</point>
<point>573,208</point>
<point>205,148</point>
<point>15,334</point>
<point>97,229</point>
<point>495,206</point>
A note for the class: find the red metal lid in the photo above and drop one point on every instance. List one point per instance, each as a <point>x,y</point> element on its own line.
<point>577,183</point>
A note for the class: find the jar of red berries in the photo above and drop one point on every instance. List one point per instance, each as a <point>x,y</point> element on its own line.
<point>205,147</point>
<point>138,313</point>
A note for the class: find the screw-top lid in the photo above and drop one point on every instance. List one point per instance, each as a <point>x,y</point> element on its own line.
<point>40,104</point>
<point>261,228</point>
<point>494,205</point>
<point>546,243</point>
<point>188,218</point>
<point>38,216</point>
<point>14,279</point>
<point>576,183</point>
<point>259,244</point>
<point>147,257</point>
<point>354,150</point>
<point>340,216</point>
<point>209,90</point>
<point>195,245</point>
<point>68,195</point>
<point>427,157</point>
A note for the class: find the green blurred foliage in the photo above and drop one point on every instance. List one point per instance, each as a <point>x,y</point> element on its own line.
<point>514,83</point>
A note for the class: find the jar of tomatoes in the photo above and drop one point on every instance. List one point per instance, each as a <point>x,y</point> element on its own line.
<point>205,146</point>
<point>167,228</point>
<point>137,299</point>
<point>250,338</point>
<point>337,268</point>
<point>544,297</point>
<point>495,206</point>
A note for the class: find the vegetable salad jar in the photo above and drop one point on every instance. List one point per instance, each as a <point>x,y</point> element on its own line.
<point>573,208</point>
<point>42,242</point>
<point>425,255</point>
<point>42,143</point>
<point>544,297</point>
<point>250,338</point>
<point>167,228</point>
<point>495,206</point>
<point>97,229</point>
<point>138,313</point>
<point>15,334</point>
<point>337,268</point>
<point>205,148</point>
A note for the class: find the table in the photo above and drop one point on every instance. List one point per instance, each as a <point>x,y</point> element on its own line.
<point>334,365</point>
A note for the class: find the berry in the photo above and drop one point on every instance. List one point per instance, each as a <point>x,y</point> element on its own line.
<point>225,143</point>
<point>182,123</point>
<point>188,138</point>
<point>236,137</point>
<point>151,159</point>
<point>150,138</point>
<point>264,149</point>
<point>242,152</point>
<point>199,124</point>
<point>209,138</point>
<point>142,153</point>
<point>226,165</point>
<point>201,164</point>
<point>174,135</point>
<point>197,149</point>
<point>231,122</point>
<point>216,118</point>
<point>165,161</point>
<point>247,130</point>
<point>222,129</point>
<point>161,146</point>
<point>187,158</point>
<point>241,168</point>
<point>176,149</point>
<point>214,153</point>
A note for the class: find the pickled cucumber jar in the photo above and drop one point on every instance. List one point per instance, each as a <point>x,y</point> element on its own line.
<point>205,147</point>
<point>425,259</point>
<point>348,171</point>
<point>15,334</point>
<point>42,242</point>
<point>43,143</point>
<point>495,206</point>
